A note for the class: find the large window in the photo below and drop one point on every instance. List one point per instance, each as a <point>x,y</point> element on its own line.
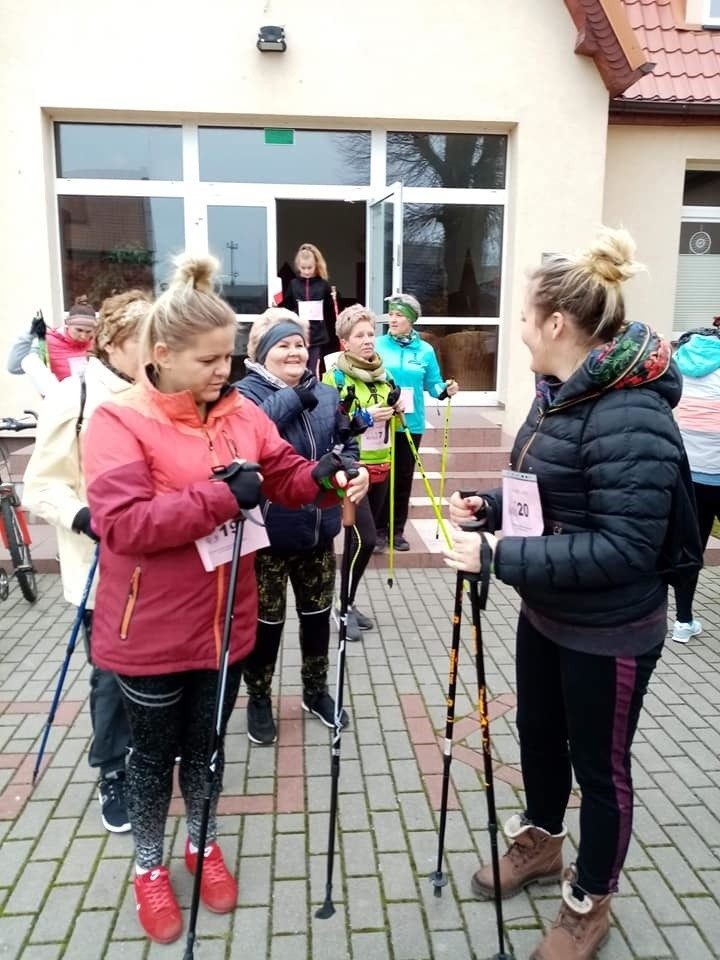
<point>424,211</point>
<point>459,160</point>
<point>118,151</point>
<point>111,244</point>
<point>232,155</point>
<point>453,258</point>
<point>697,293</point>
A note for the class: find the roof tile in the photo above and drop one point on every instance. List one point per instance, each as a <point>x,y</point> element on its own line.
<point>687,62</point>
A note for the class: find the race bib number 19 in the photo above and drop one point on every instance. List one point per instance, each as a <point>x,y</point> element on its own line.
<point>216,548</point>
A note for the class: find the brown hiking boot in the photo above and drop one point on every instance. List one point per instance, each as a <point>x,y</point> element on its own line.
<point>534,856</point>
<point>581,927</point>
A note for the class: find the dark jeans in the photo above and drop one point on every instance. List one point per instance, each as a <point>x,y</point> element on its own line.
<point>173,715</point>
<point>580,709</point>
<point>707,501</point>
<point>110,728</point>
<point>404,470</point>
<point>361,550</point>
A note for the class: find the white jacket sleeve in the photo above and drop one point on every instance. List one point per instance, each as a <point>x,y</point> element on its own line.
<point>42,378</point>
<point>54,487</point>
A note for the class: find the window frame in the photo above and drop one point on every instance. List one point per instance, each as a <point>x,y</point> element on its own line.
<point>197,195</point>
<point>710,19</point>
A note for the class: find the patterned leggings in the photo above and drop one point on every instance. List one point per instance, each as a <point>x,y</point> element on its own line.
<point>172,715</point>
<point>312,575</point>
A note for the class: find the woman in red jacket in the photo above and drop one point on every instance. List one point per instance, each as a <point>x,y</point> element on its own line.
<point>149,457</point>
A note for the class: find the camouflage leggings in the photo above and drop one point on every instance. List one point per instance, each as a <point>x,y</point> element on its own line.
<point>312,575</point>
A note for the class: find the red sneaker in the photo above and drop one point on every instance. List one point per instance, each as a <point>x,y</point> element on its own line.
<point>158,910</point>
<point>218,888</point>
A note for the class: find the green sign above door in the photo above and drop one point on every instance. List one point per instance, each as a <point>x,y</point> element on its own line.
<point>280,136</point>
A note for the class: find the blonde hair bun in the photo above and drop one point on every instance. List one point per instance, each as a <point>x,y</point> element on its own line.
<point>197,272</point>
<point>611,258</point>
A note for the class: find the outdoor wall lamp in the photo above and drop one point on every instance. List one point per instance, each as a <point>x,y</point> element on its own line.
<point>271,40</point>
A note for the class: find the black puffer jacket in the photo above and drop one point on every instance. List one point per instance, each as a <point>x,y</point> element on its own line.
<point>311,433</point>
<point>606,452</point>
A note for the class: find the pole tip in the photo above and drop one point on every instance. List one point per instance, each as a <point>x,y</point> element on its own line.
<point>326,911</point>
<point>438,879</point>
<point>389,581</point>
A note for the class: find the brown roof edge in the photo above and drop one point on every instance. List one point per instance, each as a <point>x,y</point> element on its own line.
<point>673,112</point>
<point>605,34</point>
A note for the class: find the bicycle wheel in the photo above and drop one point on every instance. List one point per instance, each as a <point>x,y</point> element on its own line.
<point>19,552</point>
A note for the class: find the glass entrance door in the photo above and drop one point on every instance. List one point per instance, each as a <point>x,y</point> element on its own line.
<point>384,247</point>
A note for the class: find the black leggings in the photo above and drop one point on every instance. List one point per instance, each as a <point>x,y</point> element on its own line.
<point>172,715</point>
<point>707,501</point>
<point>583,709</point>
<point>404,470</point>
<point>365,524</point>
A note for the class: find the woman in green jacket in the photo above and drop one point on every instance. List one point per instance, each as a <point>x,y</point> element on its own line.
<point>368,393</point>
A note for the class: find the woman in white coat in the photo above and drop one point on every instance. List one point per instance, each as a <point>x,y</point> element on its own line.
<point>55,490</point>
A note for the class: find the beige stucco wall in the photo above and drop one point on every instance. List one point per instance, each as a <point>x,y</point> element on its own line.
<point>417,64</point>
<point>644,192</point>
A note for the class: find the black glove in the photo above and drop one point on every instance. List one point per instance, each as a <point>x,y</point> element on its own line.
<point>327,467</point>
<point>81,524</point>
<point>244,482</point>
<point>393,397</point>
<point>307,397</point>
<point>38,327</point>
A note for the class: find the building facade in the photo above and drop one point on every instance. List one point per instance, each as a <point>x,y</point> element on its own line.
<point>438,148</point>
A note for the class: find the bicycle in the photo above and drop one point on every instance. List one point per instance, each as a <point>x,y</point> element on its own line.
<point>13,527</point>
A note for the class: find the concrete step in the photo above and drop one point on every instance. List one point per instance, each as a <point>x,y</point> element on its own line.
<point>465,458</point>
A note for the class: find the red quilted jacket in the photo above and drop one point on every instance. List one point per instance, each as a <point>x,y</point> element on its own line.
<point>147,458</point>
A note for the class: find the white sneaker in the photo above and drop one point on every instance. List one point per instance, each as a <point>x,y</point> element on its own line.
<point>682,632</point>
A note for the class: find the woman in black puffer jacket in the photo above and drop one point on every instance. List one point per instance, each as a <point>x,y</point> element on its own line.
<point>306,414</point>
<point>603,453</point>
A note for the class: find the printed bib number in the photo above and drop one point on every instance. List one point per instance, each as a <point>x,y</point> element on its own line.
<point>522,512</point>
<point>216,548</point>
<point>375,437</point>
<point>407,398</point>
<point>311,310</point>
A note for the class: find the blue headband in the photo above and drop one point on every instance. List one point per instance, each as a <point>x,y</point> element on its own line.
<point>286,328</point>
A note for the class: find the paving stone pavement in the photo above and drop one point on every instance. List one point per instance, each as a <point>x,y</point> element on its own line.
<point>65,883</point>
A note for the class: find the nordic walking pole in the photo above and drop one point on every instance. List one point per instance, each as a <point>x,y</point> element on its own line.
<point>437,878</point>
<point>77,623</point>
<point>215,736</point>
<point>478,602</point>
<point>348,520</point>
<point>391,494</point>
<point>428,487</point>
<point>443,460</point>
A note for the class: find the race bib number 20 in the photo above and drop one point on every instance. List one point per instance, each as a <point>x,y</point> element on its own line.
<point>522,511</point>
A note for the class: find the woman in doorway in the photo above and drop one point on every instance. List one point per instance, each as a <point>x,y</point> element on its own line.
<point>366,391</point>
<point>55,490</point>
<point>302,547</point>
<point>149,461</point>
<point>605,452</point>
<point>413,366</point>
<point>310,296</point>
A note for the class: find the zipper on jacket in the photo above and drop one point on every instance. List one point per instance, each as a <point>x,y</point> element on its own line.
<point>540,418</point>
<point>130,603</point>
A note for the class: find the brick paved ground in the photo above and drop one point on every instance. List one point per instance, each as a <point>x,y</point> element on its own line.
<point>64,882</point>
